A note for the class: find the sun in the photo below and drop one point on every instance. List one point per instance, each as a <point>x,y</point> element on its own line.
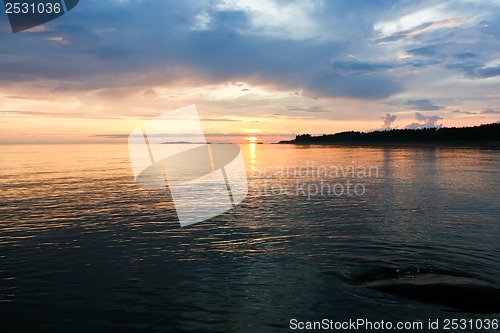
<point>252,139</point>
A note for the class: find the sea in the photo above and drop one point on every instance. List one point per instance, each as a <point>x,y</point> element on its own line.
<point>326,235</point>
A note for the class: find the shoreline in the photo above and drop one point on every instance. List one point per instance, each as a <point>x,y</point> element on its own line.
<point>489,145</point>
<point>487,136</point>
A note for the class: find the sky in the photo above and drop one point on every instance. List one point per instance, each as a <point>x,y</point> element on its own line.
<point>268,69</point>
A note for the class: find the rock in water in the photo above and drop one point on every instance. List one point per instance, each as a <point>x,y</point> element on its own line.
<point>460,293</point>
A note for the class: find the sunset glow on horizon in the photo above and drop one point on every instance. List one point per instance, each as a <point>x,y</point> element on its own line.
<point>252,139</point>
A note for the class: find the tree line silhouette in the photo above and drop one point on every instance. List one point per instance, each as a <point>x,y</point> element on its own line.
<point>478,135</point>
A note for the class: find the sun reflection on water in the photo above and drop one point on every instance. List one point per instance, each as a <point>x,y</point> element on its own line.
<point>252,148</point>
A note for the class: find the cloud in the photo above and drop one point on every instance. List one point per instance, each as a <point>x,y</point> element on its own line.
<point>363,86</point>
<point>291,20</point>
<point>475,70</point>
<point>429,50</point>
<point>465,55</point>
<point>388,120</point>
<point>422,105</point>
<point>222,120</point>
<point>353,67</point>
<point>425,122</point>
<point>463,112</point>
<point>60,115</point>
<point>308,109</point>
<point>486,72</point>
<point>150,93</point>
<point>419,21</point>
<point>490,111</point>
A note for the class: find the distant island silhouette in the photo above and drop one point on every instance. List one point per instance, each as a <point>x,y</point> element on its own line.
<point>483,135</point>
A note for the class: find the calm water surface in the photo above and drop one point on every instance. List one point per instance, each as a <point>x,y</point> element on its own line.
<point>83,249</point>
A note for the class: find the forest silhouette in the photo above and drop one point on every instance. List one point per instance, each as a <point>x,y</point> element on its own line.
<point>483,135</point>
